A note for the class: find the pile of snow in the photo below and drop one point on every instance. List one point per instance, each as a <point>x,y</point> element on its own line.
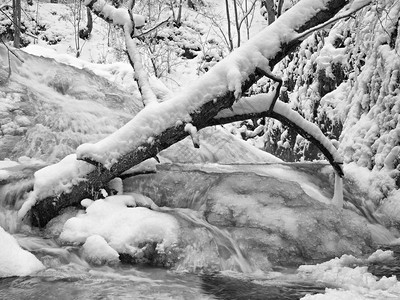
<point>14,261</point>
<point>115,225</point>
<point>351,276</point>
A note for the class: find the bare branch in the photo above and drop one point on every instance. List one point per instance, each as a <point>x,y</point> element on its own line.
<point>12,52</point>
<point>141,76</point>
<point>107,12</point>
<point>278,89</point>
<point>218,26</point>
<point>154,28</point>
<point>247,14</point>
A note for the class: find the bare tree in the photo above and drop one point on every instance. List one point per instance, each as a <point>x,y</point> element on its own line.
<point>246,17</point>
<point>209,108</point>
<point>269,9</point>
<point>272,9</point>
<point>17,22</point>
<point>228,17</point>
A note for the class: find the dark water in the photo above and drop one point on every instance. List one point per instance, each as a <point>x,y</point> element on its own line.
<point>387,268</point>
<point>222,287</point>
<point>72,282</point>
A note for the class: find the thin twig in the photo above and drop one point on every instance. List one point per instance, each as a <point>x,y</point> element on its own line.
<point>131,4</point>
<point>152,29</point>
<point>9,65</point>
<point>4,6</point>
<point>28,34</point>
<point>247,14</point>
<point>278,89</point>
<point>20,59</point>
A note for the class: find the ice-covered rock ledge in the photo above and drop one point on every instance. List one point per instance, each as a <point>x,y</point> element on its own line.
<point>274,211</point>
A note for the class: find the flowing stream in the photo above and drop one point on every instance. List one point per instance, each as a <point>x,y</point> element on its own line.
<point>69,276</point>
<point>223,240</point>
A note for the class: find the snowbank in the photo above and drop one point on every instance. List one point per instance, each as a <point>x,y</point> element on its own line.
<point>14,261</point>
<point>114,224</point>
<point>353,279</point>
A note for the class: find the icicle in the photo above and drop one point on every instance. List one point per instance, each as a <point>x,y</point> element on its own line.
<point>337,199</point>
<point>192,130</point>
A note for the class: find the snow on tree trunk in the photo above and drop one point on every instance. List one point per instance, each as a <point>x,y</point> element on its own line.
<point>160,125</point>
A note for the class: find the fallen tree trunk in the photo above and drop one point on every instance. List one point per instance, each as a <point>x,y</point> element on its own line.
<point>160,125</point>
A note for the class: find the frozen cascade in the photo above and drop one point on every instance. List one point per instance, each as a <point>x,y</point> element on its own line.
<point>12,195</point>
<point>222,239</point>
<point>16,182</point>
<point>272,211</point>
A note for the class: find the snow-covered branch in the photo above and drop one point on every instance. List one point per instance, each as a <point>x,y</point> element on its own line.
<point>218,88</point>
<point>258,106</point>
<point>159,126</point>
<point>128,21</point>
<point>141,75</point>
<point>354,7</point>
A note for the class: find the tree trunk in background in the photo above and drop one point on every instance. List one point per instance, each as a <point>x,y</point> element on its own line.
<point>228,17</point>
<point>84,33</point>
<point>269,6</point>
<point>280,6</point>
<point>237,22</point>
<point>179,17</point>
<point>17,22</point>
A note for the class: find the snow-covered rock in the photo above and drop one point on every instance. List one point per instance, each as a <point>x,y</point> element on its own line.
<point>14,261</point>
<point>118,227</point>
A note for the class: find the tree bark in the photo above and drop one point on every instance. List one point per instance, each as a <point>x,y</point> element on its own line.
<point>235,9</point>
<point>269,6</point>
<point>228,17</point>
<point>84,33</point>
<point>179,17</point>
<point>45,209</point>
<point>17,22</point>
